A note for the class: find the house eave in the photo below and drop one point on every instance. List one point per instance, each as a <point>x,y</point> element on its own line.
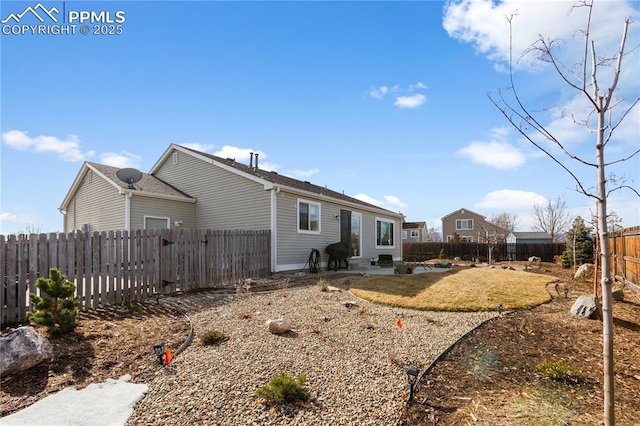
<point>356,206</point>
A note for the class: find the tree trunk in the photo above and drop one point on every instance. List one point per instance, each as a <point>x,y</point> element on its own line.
<point>605,277</point>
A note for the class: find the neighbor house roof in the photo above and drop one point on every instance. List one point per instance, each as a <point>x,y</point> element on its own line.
<point>149,185</point>
<point>532,235</point>
<point>414,225</point>
<point>273,178</point>
<point>459,210</point>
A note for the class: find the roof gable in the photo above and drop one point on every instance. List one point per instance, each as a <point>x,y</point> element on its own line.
<point>462,211</point>
<point>149,185</point>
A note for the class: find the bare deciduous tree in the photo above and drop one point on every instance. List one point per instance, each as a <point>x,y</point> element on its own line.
<point>552,218</point>
<point>605,113</point>
<point>505,220</point>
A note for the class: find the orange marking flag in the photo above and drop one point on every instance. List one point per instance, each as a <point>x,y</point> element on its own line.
<point>168,356</point>
<point>399,323</point>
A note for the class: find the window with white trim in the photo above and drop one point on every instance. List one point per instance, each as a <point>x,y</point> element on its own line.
<point>151,222</point>
<point>415,233</point>
<point>464,224</point>
<point>308,216</point>
<point>384,233</point>
<point>404,235</point>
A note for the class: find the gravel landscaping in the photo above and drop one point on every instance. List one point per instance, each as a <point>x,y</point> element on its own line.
<point>355,359</point>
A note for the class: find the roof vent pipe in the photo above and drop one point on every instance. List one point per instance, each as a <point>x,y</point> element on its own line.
<point>251,161</point>
<point>256,160</point>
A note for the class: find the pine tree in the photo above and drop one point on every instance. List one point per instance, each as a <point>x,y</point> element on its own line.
<point>581,240</point>
<point>57,309</point>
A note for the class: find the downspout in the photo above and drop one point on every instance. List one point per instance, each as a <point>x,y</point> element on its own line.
<point>127,211</point>
<point>274,227</point>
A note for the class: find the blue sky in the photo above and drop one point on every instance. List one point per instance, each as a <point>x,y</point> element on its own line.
<point>386,101</point>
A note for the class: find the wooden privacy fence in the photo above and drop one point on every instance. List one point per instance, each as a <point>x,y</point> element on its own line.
<point>119,266</point>
<point>480,251</point>
<point>624,246</point>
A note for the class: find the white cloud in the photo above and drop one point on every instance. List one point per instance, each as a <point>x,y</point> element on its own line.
<point>304,174</point>
<point>391,202</point>
<point>413,101</point>
<point>419,85</point>
<point>24,220</point>
<point>516,202</point>
<point>483,23</point>
<point>496,153</point>
<point>202,147</point>
<point>367,199</point>
<point>378,92</point>
<point>120,159</point>
<point>67,149</point>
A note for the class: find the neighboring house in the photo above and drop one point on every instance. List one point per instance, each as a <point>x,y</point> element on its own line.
<point>193,189</point>
<point>415,232</point>
<point>471,227</point>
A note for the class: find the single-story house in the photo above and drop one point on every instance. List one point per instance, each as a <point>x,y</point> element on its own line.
<point>528,237</point>
<point>189,188</point>
<point>414,232</point>
<point>471,227</point>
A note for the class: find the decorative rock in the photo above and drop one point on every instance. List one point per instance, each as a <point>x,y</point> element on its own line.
<point>349,305</point>
<point>331,288</point>
<point>279,326</point>
<point>534,259</point>
<point>584,271</point>
<point>618,295</point>
<point>586,307</point>
<point>22,349</point>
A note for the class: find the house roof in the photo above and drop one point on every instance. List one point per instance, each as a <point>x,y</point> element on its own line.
<point>459,210</point>
<point>149,185</point>
<point>532,235</point>
<point>414,225</point>
<point>285,182</point>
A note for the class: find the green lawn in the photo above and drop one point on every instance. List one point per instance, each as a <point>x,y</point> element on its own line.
<point>469,289</point>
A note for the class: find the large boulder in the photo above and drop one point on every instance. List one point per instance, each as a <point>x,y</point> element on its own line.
<point>586,307</point>
<point>584,271</point>
<point>279,326</point>
<point>22,349</point>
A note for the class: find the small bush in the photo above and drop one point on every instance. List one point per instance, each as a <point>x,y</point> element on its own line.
<point>442,254</point>
<point>565,260</point>
<point>213,337</point>
<point>57,309</point>
<point>283,388</point>
<point>559,372</point>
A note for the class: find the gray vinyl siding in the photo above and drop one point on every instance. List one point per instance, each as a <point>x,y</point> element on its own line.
<point>98,203</point>
<point>224,200</point>
<point>157,207</point>
<point>294,248</point>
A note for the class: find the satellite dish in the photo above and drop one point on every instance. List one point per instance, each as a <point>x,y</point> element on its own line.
<point>129,176</point>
